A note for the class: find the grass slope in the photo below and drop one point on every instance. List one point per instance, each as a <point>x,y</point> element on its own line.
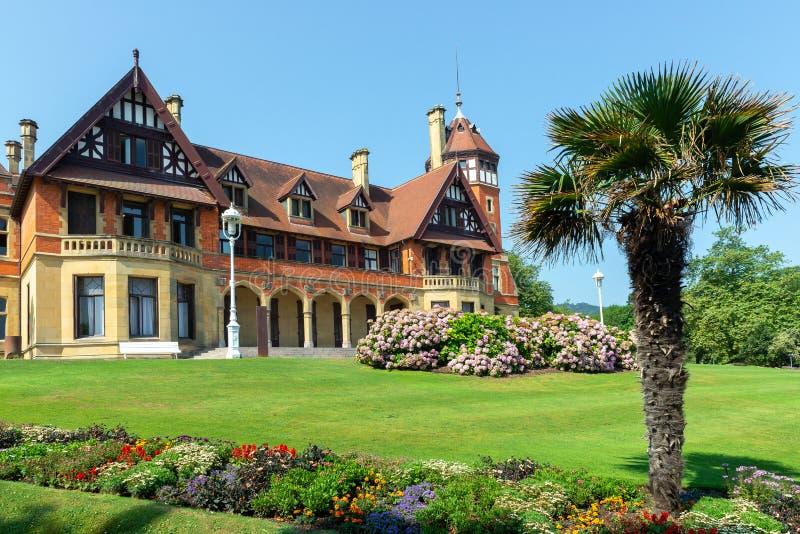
<point>35,510</point>
<point>735,414</point>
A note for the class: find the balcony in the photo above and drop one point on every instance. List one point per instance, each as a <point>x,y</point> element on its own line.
<point>128,246</point>
<point>462,283</point>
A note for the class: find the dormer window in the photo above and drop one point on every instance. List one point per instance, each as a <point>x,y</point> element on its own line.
<point>298,196</point>
<point>300,207</point>
<point>358,218</point>
<point>236,194</point>
<point>234,184</point>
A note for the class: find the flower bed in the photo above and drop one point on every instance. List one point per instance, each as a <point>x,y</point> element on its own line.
<point>485,345</point>
<point>359,493</point>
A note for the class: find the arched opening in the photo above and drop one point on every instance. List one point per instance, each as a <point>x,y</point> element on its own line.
<point>327,320</point>
<point>286,319</point>
<point>246,304</point>
<point>395,303</point>
<point>362,309</point>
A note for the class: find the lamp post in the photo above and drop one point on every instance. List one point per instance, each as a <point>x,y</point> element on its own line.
<point>598,280</point>
<point>232,229</point>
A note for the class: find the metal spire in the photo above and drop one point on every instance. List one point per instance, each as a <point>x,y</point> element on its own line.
<point>458,91</point>
<point>136,69</point>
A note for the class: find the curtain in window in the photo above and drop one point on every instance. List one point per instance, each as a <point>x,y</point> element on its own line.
<point>183,319</point>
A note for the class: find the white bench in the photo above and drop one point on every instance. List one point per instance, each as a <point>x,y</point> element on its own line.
<point>149,347</point>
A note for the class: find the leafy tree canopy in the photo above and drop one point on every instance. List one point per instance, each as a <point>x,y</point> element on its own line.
<point>535,296</point>
<point>743,305</point>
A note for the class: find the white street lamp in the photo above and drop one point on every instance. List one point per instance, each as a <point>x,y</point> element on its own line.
<point>232,229</point>
<point>598,280</point>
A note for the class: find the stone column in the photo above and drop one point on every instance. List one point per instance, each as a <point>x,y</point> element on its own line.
<point>307,328</point>
<point>346,331</point>
<point>28,129</point>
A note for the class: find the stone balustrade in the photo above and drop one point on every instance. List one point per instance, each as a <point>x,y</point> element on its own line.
<point>128,246</point>
<point>452,282</point>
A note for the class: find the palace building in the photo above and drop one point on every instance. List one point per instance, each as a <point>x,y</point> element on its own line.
<point>113,234</point>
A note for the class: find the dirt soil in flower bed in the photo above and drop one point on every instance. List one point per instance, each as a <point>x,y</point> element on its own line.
<point>532,372</point>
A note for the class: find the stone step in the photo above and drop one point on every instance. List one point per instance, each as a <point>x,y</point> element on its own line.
<point>280,352</point>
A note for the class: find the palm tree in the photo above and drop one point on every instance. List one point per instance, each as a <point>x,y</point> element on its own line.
<point>658,151</point>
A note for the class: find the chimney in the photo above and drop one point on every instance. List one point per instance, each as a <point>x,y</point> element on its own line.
<point>436,130</point>
<point>174,104</point>
<point>361,169</point>
<point>28,130</point>
<point>14,154</point>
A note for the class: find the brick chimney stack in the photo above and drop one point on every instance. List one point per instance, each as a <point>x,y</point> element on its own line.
<point>14,155</point>
<point>175,105</point>
<point>436,130</point>
<point>360,161</point>
<point>28,129</point>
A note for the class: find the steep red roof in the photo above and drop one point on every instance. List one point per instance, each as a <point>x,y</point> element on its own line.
<point>135,184</point>
<point>465,137</point>
<point>52,156</point>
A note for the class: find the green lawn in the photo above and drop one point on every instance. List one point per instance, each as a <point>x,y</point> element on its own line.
<point>30,509</point>
<point>735,414</point>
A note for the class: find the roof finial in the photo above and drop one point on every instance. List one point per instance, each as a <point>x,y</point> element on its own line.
<point>458,90</point>
<point>136,69</point>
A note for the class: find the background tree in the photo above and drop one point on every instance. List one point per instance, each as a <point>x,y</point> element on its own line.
<point>619,315</point>
<point>535,296</point>
<point>656,151</point>
<point>738,299</point>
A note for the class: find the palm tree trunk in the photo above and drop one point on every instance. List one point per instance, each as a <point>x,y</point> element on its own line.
<point>656,255</point>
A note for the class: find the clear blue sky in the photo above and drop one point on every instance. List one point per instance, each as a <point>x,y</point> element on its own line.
<point>306,83</point>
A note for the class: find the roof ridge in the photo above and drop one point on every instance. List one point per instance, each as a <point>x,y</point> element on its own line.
<point>422,175</point>
<point>301,169</point>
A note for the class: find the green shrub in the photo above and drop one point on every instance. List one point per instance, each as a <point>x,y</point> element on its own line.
<point>583,489</point>
<point>729,516</point>
<point>468,505</point>
<point>318,496</point>
<point>283,495</point>
<point>145,478</point>
<point>471,327</point>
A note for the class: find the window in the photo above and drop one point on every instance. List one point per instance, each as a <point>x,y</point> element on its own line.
<point>449,216</point>
<point>490,204</point>
<point>468,307</point>
<point>135,220</point>
<point>265,247</point>
<point>185,311</point>
<point>182,227</point>
<point>89,306</point>
<point>394,260</point>
<point>3,236</point>
<point>133,150</point>
<point>3,313</point>
<point>358,218</point>
<point>338,255</point>
<point>81,214</point>
<point>142,304</point>
<point>234,194</point>
<point>300,207</point>
<point>440,304</point>
<point>370,259</point>
<point>225,244</point>
<point>496,279</point>
<point>303,251</point>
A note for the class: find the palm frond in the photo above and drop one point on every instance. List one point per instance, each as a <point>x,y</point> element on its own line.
<point>555,221</point>
<point>666,98</point>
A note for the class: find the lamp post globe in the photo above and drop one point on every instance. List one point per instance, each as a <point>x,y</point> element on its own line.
<point>598,280</point>
<point>232,229</point>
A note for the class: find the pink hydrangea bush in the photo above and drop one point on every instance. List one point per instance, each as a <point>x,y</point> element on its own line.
<point>405,339</point>
<point>484,345</point>
<point>580,344</point>
<point>529,338</point>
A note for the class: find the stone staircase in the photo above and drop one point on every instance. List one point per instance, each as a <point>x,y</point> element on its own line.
<point>280,352</point>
